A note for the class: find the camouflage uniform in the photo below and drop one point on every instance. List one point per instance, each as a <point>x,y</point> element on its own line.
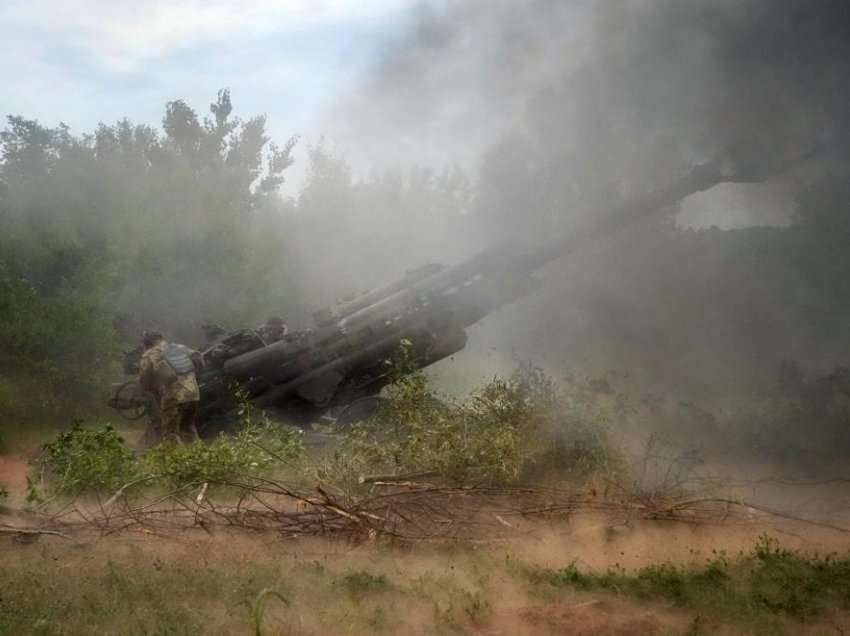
<point>179,399</point>
<point>273,330</point>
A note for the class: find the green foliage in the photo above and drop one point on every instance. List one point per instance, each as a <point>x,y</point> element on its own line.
<point>178,226</point>
<point>4,491</point>
<point>767,580</point>
<point>90,461</point>
<point>506,429</point>
<point>361,583</point>
<point>259,447</point>
<point>415,432</point>
<point>164,226</point>
<point>56,338</point>
<point>258,607</point>
<point>255,450</point>
<point>84,460</point>
<point>571,422</point>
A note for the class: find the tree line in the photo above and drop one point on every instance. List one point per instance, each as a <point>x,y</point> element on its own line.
<point>105,233</point>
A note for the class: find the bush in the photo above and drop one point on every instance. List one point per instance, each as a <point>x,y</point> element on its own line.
<point>504,431</point>
<point>93,461</point>
<point>571,422</point>
<point>85,460</point>
<point>255,450</point>
<point>479,440</point>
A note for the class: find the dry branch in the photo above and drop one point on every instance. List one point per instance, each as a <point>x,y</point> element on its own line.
<point>408,511</point>
<point>4,529</point>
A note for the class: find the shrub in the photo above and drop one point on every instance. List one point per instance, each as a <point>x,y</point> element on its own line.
<point>414,431</point>
<point>502,432</point>
<point>254,450</point>
<point>570,422</point>
<point>84,460</point>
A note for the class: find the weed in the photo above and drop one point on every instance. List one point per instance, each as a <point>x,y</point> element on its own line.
<point>476,608</point>
<point>34,494</point>
<point>259,607</point>
<point>768,581</point>
<point>4,491</point>
<point>85,460</point>
<point>360,583</point>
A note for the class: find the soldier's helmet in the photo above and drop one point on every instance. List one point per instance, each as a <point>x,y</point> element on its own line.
<point>212,331</point>
<point>151,337</point>
<point>275,321</point>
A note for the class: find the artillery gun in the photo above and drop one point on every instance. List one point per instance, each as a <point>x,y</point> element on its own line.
<point>341,364</point>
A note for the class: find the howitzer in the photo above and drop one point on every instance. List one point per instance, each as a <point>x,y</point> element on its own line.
<point>343,361</point>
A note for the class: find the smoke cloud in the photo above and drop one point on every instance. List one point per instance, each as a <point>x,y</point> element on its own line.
<point>589,75</point>
<point>563,109</point>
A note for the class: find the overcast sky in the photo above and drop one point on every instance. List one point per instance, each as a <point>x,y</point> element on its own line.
<point>86,61</point>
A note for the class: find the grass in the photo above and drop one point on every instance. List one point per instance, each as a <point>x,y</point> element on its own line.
<point>234,585</point>
<point>360,583</point>
<point>231,587</point>
<point>769,581</point>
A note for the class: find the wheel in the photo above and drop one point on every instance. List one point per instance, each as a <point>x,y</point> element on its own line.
<point>130,401</point>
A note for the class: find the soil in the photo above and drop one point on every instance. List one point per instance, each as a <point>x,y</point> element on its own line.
<point>591,542</point>
<point>13,472</point>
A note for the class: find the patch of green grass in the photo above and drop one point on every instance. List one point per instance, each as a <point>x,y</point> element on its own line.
<point>768,581</point>
<point>226,587</point>
<point>55,589</point>
<point>360,583</point>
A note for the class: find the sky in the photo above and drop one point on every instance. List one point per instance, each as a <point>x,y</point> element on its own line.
<point>86,61</point>
<point>383,81</point>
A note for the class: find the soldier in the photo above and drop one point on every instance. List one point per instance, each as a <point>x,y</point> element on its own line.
<point>213,332</point>
<point>168,371</point>
<point>274,330</point>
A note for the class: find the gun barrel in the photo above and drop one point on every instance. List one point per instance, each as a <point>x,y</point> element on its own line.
<point>657,202</point>
<point>437,297</point>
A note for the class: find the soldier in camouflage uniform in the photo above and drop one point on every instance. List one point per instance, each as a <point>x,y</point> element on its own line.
<point>168,371</point>
<point>274,329</point>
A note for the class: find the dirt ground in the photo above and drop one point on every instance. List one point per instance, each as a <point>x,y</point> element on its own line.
<point>234,582</point>
<point>213,584</point>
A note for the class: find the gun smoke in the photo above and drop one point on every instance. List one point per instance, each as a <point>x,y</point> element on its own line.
<point>564,109</point>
